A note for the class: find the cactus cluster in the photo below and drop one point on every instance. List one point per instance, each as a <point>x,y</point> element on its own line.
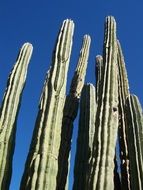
<point>110,121</point>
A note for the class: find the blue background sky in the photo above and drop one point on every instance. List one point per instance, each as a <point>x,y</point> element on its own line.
<point>38,22</point>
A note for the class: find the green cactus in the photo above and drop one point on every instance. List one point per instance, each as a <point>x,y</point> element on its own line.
<point>42,163</point>
<point>9,112</point>
<point>102,171</point>
<point>135,141</point>
<point>99,75</point>
<point>123,88</point>
<point>70,113</point>
<point>85,137</point>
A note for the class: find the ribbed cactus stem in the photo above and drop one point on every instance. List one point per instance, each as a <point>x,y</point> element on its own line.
<point>42,163</point>
<point>9,111</point>
<point>85,137</point>
<point>107,115</point>
<point>80,72</point>
<point>70,112</point>
<point>135,141</point>
<point>123,93</point>
<point>99,75</point>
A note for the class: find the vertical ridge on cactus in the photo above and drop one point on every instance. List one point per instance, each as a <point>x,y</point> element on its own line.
<point>42,162</point>
<point>9,112</point>
<point>70,112</point>
<point>85,137</point>
<point>135,139</point>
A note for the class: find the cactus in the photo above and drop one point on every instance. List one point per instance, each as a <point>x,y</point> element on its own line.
<point>107,115</point>
<point>99,75</point>
<point>135,141</point>
<point>117,181</point>
<point>85,137</point>
<point>109,124</point>
<point>123,87</point>
<point>42,162</point>
<point>70,113</point>
<point>9,112</point>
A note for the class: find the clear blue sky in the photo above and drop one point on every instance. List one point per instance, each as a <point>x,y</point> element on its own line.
<point>38,22</point>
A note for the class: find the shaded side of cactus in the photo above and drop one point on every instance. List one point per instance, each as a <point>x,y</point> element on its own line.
<point>85,137</point>
<point>135,141</point>
<point>117,181</point>
<point>70,113</point>
<point>42,163</point>
<point>123,93</point>
<point>99,75</point>
<point>9,112</point>
<point>106,124</point>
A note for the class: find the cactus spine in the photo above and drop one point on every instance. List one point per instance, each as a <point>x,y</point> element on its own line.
<point>135,141</point>
<point>42,162</point>
<point>85,137</point>
<point>9,112</point>
<point>70,112</point>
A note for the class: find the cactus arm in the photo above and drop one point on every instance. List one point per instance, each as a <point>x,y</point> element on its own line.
<point>107,115</point>
<point>9,111</point>
<point>43,158</point>
<point>99,75</point>
<point>123,93</point>
<point>70,112</point>
<point>135,139</point>
<point>85,137</point>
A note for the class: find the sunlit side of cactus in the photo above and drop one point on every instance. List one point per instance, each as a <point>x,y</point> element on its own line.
<point>42,163</point>
<point>9,112</point>
<point>106,124</point>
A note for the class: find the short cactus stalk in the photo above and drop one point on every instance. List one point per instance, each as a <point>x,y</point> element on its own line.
<point>106,124</point>
<point>99,75</point>
<point>135,141</point>
<point>9,112</point>
<point>123,94</point>
<point>70,113</point>
<point>42,163</point>
<point>85,137</point>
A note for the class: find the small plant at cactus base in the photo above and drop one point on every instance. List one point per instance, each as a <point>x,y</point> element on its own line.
<point>109,117</point>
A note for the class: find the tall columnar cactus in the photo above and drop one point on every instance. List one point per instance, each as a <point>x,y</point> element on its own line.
<point>135,141</point>
<point>123,87</point>
<point>107,116</point>
<point>85,140</point>
<point>9,112</point>
<point>42,163</point>
<point>70,113</point>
